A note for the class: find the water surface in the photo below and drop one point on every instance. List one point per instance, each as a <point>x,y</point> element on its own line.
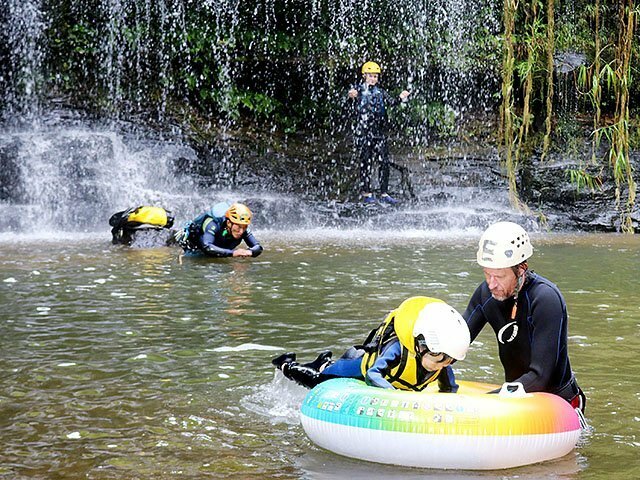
<point>127,363</point>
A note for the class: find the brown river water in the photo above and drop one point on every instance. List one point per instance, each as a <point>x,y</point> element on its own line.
<point>131,363</point>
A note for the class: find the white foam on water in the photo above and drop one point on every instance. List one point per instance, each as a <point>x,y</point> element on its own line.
<point>245,347</point>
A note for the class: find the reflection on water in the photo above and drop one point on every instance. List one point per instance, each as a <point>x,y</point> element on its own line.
<point>125,363</point>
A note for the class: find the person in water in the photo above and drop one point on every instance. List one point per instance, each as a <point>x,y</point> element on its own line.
<point>218,232</point>
<point>370,103</point>
<point>414,346</point>
<point>527,313</point>
<point>127,224</point>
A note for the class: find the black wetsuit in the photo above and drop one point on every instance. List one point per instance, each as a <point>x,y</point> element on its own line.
<point>533,349</point>
<point>210,236</point>
<point>371,134</point>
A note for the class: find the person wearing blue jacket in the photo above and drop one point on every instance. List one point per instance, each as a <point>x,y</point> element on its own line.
<point>527,313</point>
<point>414,346</point>
<point>218,234</point>
<point>370,103</point>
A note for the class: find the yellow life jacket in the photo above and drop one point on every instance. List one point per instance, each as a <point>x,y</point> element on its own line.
<point>156,216</point>
<point>399,325</point>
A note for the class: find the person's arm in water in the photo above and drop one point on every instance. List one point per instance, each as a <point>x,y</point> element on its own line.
<point>254,247</point>
<point>208,242</point>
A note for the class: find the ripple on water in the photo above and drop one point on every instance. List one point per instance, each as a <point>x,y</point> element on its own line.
<point>196,345</point>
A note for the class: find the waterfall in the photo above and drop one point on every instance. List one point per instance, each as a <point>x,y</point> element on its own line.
<point>21,71</point>
<point>138,54</point>
<point>63,178</point>
<point>72,179</point>
<point>135,59</point>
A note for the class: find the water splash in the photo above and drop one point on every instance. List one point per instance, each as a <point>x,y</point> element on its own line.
<point>21,76</point>
<point>279,400</point>
<point>75,178</point>
<point>72,179</point>
<point>140,53</point>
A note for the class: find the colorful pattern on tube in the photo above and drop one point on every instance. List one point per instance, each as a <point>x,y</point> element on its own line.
<point>469,412</point>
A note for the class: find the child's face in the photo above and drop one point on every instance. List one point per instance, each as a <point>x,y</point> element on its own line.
<point>432,362</point>
<point>371,78</point>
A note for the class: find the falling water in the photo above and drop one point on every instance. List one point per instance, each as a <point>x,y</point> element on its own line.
<point>132,58</point>
<point>21,73</point>
<point>138,42</point>
<point>140,52</point>
<point>72,178</point>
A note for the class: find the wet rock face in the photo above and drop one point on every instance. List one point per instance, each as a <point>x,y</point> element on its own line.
<point>468,180</point>
<point>298,180</point>
<point>546,186</point>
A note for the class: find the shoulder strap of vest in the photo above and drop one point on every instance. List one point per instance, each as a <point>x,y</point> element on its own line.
<point>377,339</point>
<point>398,371</point>
<point>206,222</point>
<point>370,343</point>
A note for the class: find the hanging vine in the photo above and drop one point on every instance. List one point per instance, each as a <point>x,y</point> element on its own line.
<point>590,80</point>
<point>596,87</point>
<point>550,49</point>
<point>507,114</point>
<point>619,151</point>
<point>527,70</point>
<point>530,52</point>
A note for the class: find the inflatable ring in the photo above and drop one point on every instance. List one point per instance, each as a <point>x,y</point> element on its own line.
<point>466,430</point>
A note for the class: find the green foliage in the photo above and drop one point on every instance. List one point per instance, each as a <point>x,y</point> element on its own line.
<point>436,116</point>
<point>71,46</point>
<point>260,105</point>
<point>607,35</point>
<point>582,179</point>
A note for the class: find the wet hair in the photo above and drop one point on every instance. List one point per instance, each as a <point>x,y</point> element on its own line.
<point>524,265</point>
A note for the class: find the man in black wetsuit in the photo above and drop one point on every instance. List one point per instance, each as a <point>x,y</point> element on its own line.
<point>527,313</point>
<point>370,104</point>
<point>217,232</point>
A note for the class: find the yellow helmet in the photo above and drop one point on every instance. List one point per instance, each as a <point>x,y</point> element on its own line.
<point>371,67</point>
<point>239,214</point>
<point>406,315</point>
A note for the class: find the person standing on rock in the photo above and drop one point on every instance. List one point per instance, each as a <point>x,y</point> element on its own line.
<point>370,103</point>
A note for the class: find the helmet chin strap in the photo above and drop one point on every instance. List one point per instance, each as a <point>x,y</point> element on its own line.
<point>516,291</point>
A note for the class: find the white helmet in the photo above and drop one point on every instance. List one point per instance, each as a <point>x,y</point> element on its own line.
<point>443,330</point>
<point>503,245</point>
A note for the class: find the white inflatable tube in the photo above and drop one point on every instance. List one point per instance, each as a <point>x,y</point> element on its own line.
<point>467,430</point>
